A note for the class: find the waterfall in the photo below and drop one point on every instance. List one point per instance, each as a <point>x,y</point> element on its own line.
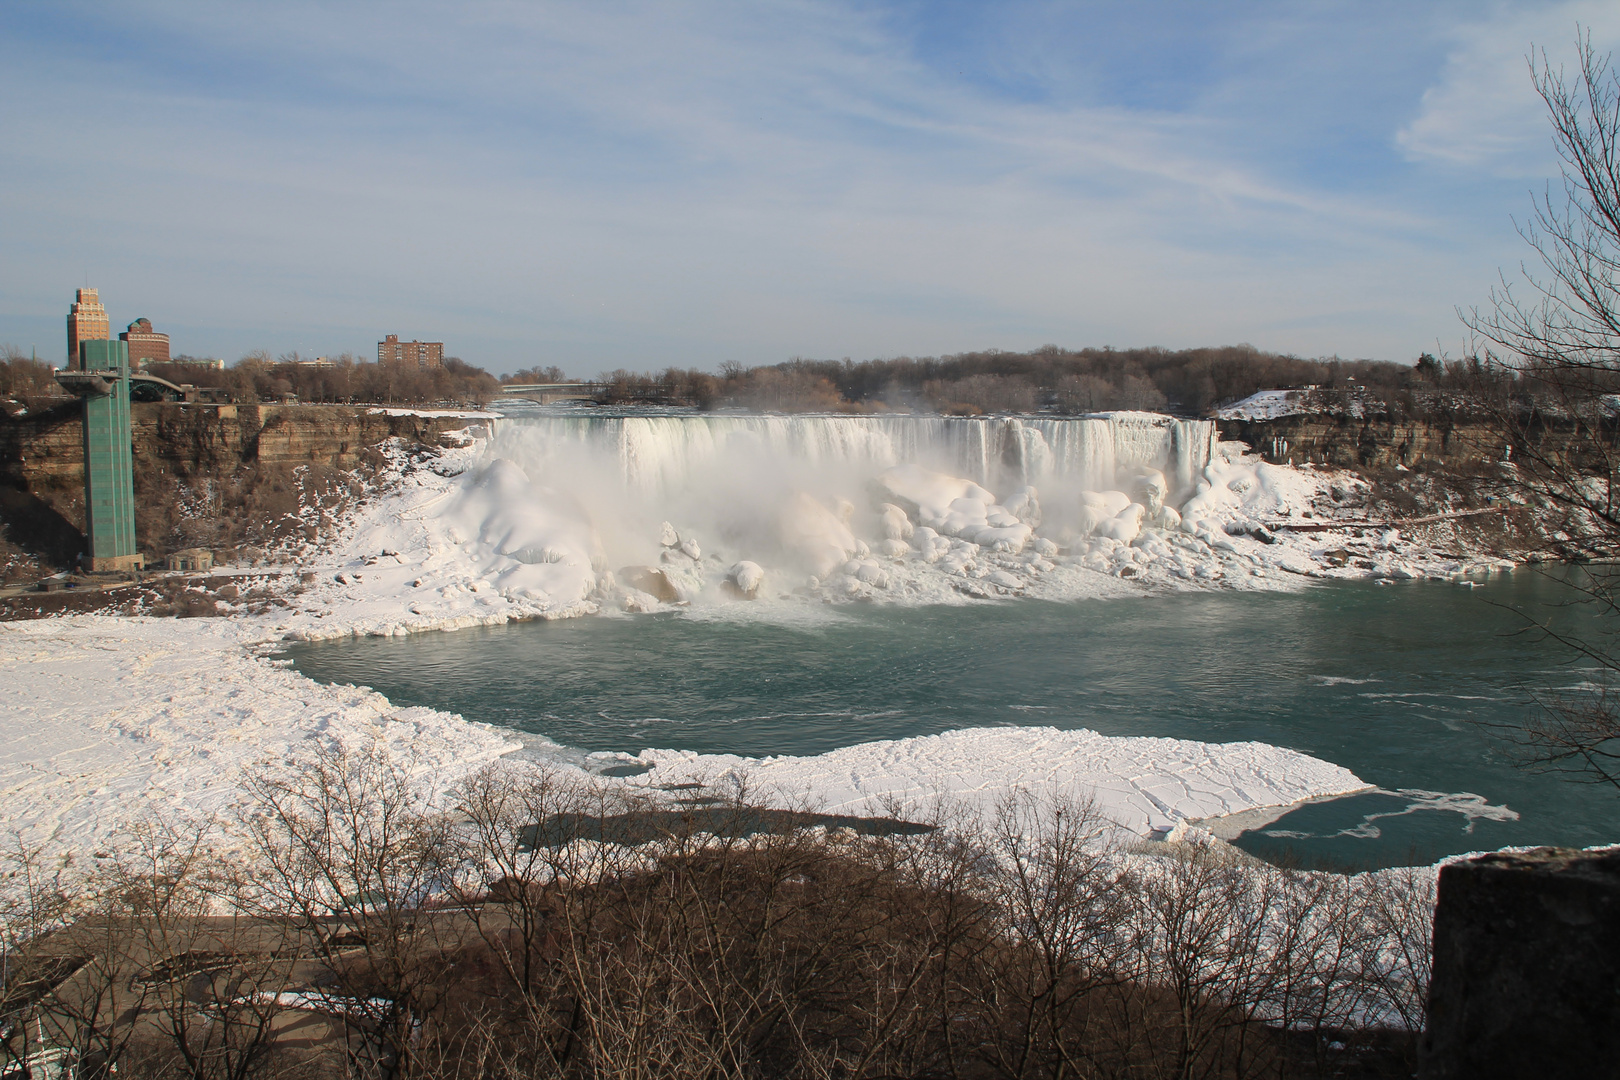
<point>658,453</point>
<point>640,510</point>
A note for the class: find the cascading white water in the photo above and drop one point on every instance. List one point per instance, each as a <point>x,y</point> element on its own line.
<point>682,505</point>
<point>660,453</point>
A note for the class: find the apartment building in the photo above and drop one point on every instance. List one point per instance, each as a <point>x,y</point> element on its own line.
<point>421,354</point>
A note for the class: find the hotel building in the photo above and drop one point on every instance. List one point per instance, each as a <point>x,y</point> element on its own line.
<point>86,321</point>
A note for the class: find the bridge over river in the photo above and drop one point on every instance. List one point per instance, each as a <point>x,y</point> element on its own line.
<point>546,393</point>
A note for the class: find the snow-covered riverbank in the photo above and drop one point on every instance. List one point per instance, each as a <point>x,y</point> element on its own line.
<point>107,719</point>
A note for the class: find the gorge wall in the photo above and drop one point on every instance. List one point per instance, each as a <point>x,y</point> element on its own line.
<point>209,476</point>
<point>1376,443</point>
<point>44,450</point>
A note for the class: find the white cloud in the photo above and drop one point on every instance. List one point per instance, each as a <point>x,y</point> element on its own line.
<point>1483,111</point>
<point>607,184</point>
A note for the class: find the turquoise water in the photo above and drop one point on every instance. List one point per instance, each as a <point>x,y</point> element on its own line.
<point>1392,682</point>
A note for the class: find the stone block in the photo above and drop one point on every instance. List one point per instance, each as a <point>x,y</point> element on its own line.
<point>1526,978</point>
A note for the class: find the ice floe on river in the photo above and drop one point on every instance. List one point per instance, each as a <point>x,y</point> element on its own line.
<point>1143,785</point>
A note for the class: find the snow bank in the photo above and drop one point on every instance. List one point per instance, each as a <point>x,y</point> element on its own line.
<point>106,719</point>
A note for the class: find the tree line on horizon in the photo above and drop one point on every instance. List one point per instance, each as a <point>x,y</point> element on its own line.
<point>1187,382</point>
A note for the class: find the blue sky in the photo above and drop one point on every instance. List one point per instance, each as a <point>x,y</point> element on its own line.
<point>611,184</point>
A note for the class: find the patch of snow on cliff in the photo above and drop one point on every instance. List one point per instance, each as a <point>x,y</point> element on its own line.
<point>1266,405</point>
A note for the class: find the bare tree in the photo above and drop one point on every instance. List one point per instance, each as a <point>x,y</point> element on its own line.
<point>347,850</point>
<point>1558,330</point>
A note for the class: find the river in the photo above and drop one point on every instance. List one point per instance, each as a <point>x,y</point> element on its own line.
<point>1402,683</point>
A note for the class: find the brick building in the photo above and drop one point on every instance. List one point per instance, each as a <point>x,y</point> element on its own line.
<point>86,321</point>
<point>145,345</point>
<point>422,354</point>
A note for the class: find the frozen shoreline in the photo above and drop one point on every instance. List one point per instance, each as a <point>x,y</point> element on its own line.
<point>108,718</point>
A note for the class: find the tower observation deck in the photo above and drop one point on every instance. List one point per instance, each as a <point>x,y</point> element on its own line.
<point>102,379</point>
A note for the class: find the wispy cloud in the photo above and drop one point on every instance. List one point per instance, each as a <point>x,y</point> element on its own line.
<point>1483,111</point>
<point>638,184</point>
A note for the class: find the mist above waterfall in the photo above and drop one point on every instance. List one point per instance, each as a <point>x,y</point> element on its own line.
<point>654,508</point>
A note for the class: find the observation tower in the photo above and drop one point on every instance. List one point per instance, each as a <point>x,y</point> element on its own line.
<point>101,379</point>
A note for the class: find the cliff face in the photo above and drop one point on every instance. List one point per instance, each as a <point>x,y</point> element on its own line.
<point>1526,965</point>
<point>1367,443</point>
<point>45,450</point>
<point>205,476</point>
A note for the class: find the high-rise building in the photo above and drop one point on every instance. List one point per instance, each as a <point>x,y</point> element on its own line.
<point>145,345</point>
<point>421,354</point>
<point>86,321</point>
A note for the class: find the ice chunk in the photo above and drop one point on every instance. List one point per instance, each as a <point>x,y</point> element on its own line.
<point>1022,504</point>
<point>964,517</point>
<point>1003,538</point>
<point>1099,506</point>
<point>745,579</point>
<point>929,543</point>
<point>929,493</point>
<point>820,540</point>
<point>893,523</point>
<point>651,581</point>
<point>1125,526</point>
<point>872,574</point>
<point>1004,579</point>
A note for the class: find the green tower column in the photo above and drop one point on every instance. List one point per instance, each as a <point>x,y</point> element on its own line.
<point>109,473</point>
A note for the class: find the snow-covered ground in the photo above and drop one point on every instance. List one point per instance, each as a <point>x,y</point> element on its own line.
<point>452,414</point>
<point>1266,405</point>
<point>105,719</point>
<point>1276,404</point>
